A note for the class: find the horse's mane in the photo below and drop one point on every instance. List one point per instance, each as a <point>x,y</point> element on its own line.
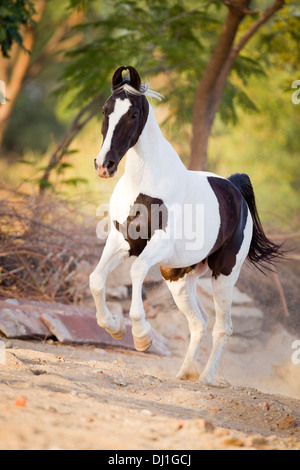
<point>144,90</point>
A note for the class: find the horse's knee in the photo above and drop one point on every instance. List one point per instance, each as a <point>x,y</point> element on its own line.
<point>138,270</point>
<point>198,327</point>
<point>97,283</point>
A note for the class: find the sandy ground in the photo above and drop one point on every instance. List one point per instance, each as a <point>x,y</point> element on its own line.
<point>66,397</point>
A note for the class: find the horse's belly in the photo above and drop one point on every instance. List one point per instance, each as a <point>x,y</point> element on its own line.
<point>186,254</point>
<point>193,229</point>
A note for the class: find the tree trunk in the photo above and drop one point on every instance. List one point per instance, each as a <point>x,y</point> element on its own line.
<point>211,87</point>
<point>18,64</point>
<point>207,99</point>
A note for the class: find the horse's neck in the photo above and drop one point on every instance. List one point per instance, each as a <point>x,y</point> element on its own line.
<point>152,158</point>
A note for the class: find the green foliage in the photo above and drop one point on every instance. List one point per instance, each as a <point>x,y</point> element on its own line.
<point>34,121</point>
<point>157,36</point>
<point>267,147</point>
<point>168,37</point>
<point>154,36</point>
<point>14,14</point>
<point>80,4</point>
<point>279,42</point>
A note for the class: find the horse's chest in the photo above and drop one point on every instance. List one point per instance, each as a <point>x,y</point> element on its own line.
<point>145,216</point>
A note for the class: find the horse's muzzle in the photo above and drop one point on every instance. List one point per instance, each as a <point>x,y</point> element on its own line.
<point>108,170</point>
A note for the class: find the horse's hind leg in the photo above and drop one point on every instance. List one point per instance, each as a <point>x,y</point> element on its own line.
<point>222,292</point>
<point>222,287</point>
<point>185,297</point>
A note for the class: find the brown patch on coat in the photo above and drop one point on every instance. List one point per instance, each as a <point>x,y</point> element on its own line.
<point>233,213</point>
<point>146,215</point>
<point>173,274</point>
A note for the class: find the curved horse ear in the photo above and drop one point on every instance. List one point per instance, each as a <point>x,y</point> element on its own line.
<point>117,79</point>
<point>134,80</point>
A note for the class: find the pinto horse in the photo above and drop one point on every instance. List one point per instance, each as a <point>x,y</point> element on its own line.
<point>154,210</point>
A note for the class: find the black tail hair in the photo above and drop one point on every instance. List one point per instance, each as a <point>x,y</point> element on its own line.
<point>263,252</point>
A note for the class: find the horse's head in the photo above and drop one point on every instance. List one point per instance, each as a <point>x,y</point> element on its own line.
<point>125,115</point>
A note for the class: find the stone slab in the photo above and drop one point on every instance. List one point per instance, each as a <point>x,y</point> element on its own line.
<point>83,329</point>
<point>72,324</point>
<point>22,321</point>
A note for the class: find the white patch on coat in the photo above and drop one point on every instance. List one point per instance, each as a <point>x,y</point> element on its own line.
<point>120,109</point>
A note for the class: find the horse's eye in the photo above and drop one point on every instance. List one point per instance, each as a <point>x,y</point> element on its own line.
<point>134,115</point>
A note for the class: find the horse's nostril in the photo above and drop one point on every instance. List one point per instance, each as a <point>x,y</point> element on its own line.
<point>110,165</point>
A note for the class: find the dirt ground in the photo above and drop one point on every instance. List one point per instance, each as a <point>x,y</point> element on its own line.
<point>81,397</point>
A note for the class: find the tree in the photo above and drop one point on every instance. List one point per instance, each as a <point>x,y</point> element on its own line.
<point>14,15</point>
<point>195,45</point>
<point>177,38</point>
<point>19,44</point>
<point>213,81</point>
<point>35,47</point>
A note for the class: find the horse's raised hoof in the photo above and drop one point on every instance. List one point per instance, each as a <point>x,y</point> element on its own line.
<point>119,334</point>
<point>144,343</point>
<point>121,331</point>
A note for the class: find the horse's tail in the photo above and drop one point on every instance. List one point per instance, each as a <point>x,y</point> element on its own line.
<point>263,251</point>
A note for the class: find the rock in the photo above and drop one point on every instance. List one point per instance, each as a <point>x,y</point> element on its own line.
<point>76,325</point>
<point>118,292</point>
<point>233,442</point>
<point>22,321</point>
<point>12,301</point>
<point>246,320</point>
<point>68,323</point>
<point>257,441</point>
<point>205,425</point>
<point>286,423</point>
<point>120,382</point>
<point>239,298</point>
<point>160,296</point>
<point>121,275</point>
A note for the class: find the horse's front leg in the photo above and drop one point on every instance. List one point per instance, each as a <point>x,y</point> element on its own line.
<point>115,250</point>
<point>155,251</point>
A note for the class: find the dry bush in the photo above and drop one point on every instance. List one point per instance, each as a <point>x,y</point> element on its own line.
<point>47,248</point>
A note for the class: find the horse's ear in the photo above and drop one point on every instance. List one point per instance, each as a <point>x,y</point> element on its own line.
<point>135,79</point>
<point>117,79</point>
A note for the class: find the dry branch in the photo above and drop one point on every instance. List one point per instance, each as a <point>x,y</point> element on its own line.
<point>46,249</point>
